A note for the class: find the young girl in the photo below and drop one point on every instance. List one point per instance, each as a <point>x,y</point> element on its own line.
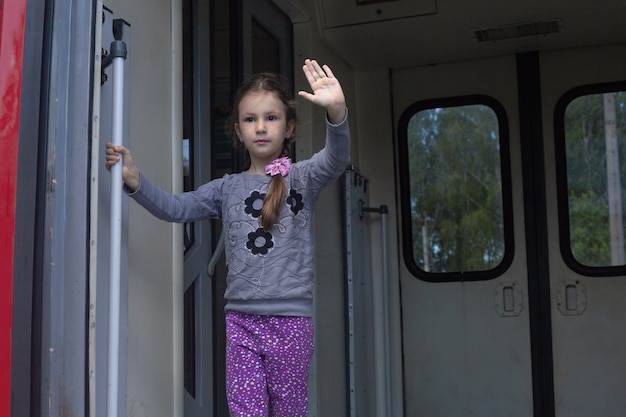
<point>267,213</point>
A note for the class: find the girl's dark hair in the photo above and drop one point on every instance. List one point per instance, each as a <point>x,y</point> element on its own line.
<point>271,83</point>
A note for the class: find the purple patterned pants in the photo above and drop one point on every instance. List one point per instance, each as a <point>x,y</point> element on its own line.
<point>267,364</point>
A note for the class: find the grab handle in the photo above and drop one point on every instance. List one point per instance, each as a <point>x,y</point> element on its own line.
<point>116,57</point>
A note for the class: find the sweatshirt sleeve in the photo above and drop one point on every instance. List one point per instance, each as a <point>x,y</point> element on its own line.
<point>204,203</point>
<point>331,161</point>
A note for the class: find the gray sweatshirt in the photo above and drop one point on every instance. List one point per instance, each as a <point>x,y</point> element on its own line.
<point>270,273</point>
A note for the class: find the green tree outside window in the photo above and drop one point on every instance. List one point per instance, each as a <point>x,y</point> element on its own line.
<point>455,188</point>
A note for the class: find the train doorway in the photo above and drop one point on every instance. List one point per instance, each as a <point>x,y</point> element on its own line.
<point>245,38</point>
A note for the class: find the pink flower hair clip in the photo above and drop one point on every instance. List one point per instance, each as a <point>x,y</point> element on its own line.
<point>278,166</point>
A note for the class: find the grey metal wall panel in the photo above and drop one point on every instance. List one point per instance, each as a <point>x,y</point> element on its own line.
<point>66,211</point>
<point>27,230</point>
<point>359,300</point>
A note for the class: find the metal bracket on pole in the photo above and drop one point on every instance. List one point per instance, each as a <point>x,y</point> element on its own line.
<point>362,209</point>
<point>116,57</point>
<point>117,49</point>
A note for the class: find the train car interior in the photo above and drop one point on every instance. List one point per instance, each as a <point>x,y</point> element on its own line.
<point>469,262</point>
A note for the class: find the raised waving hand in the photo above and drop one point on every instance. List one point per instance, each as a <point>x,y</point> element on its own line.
<point>326,90</point>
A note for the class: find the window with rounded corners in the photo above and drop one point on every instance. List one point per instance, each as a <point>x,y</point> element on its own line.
<point>456,189</point>
<point>590,149</point>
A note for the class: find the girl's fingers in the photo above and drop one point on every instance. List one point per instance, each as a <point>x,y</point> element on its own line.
<point>313,71</point>
<point>306,95</point>
<point>309,74</point>
<point>317,70</point>
<point>328,71</point>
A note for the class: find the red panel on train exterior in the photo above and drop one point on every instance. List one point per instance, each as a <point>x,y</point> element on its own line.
<point>12,15</point>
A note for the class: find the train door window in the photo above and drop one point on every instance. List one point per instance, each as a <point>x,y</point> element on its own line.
<point>590,137</point>
<point>456,199</point>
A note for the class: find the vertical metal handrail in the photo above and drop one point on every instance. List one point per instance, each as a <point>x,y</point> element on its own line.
<point>116,57</point>
<point>383,211</point>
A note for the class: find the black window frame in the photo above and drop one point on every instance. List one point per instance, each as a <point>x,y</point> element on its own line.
<point>507,200</point>
<point>561,179</point>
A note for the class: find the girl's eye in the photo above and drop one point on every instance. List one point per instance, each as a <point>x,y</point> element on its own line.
<point>272,118</point>
<point>248,119</point>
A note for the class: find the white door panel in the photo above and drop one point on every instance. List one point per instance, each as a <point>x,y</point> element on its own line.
<point>461,357</point>
<point>589,341</point>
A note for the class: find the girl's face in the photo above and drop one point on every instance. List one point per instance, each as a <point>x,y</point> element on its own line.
<point>263,126</point>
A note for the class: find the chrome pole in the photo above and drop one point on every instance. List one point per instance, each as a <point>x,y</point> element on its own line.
<point>117,57</point>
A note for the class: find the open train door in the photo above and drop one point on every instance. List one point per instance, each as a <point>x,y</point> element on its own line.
<point>249,37</point>
<point>199,364</point>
